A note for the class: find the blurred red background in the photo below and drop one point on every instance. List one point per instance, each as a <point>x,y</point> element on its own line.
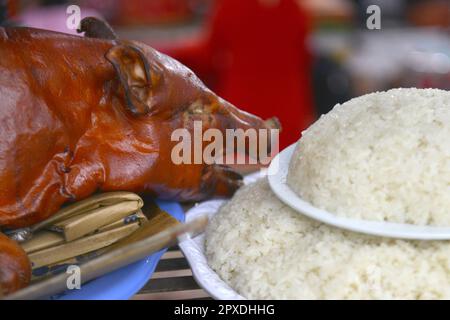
<point>294,59</point>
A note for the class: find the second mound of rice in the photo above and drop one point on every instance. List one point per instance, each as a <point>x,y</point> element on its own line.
<point>265,250</point>
<point>382,156</point>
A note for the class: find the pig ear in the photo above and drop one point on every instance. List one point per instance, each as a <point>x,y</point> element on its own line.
<point>96,28</point>
<point>133,71</point>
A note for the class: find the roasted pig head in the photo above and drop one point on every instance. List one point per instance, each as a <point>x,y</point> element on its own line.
<point>86,114</point>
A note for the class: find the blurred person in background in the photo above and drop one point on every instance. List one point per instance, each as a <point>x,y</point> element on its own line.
<point>254,54</point>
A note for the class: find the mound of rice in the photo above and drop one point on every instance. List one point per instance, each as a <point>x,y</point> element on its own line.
<point>383,156</point>
<point>265,250</point>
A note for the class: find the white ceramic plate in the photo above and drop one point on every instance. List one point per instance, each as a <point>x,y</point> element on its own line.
<point>277,175</point>
<point>194,251</point>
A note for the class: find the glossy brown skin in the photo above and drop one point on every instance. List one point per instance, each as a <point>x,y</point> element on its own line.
<point>66,131</point>
<point>15,269</point>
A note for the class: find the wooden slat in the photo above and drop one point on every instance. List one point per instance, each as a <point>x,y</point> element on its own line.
<point>170,284</point>
<point>173,295</point>
<point>172,264</point>
<point>172,274</point>
<point>172,255</point>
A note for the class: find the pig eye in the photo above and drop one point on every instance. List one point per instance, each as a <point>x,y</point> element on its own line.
<point>197,107</point>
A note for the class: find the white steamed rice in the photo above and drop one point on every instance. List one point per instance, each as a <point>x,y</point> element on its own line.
<point>265,250</point>
<point>382,156</point>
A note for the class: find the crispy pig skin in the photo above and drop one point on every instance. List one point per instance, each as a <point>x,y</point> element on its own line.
<point>15,268</point>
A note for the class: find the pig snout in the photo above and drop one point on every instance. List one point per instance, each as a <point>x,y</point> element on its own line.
<point>238,119</point>
<point>264,129</point>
